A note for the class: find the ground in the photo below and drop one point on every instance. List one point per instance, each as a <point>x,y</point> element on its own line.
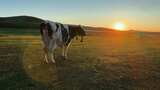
<point>104,61</point>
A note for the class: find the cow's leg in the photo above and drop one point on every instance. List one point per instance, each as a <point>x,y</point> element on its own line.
<point>51,56</point>
<point>52,51</point>
<point>46,55</point>
<point>63,51</point>
<point>46,58</point>
<point>66,51</point>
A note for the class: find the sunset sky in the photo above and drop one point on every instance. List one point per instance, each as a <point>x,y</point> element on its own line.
<point>136,14</point>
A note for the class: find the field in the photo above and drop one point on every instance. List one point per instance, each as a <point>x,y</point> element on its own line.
<point>104,61</point>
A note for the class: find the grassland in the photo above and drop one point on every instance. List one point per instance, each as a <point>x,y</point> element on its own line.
<point>104,61</point>
<point>18,31</point>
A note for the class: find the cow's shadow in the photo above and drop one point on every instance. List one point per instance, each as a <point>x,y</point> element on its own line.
<point>12,73</point>
<point>73,75</point>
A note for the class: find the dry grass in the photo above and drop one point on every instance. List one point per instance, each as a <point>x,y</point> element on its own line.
<point>108,61</point>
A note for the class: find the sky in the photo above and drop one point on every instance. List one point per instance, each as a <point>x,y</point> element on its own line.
<point>136,14</point>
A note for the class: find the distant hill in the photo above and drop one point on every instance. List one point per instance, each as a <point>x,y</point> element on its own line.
<point>20,22</point>
<point>32,22</point>
<point>98,28</point>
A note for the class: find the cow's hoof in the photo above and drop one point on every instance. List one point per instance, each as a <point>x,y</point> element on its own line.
<point>53,61</point>
<point>64,58</point>
<point>45,62</point>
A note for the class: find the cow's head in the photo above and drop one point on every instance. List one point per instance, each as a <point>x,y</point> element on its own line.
<point>46,28</point>
<point>80,32</point>
<point>77,30</point>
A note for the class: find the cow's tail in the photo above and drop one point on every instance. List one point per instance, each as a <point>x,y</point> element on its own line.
<point>42,26</point>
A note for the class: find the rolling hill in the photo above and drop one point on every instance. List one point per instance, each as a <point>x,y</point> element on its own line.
<point>31,22</point>
<point>20,22</point>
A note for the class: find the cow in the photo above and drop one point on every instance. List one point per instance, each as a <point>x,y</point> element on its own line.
<point>56,35</point>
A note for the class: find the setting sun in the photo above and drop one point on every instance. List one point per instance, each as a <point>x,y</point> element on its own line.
<point>119,26</point>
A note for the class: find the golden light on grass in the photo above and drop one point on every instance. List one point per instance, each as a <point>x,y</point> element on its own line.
<point>119,26</point>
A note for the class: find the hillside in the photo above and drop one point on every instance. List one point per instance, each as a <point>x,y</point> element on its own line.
<point>20,22</point>
<point>31,22</point>
<point>98,28</point>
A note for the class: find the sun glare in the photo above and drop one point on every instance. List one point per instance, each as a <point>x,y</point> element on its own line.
<point>120,26</point>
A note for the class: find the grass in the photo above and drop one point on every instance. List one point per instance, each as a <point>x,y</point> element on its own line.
<point>109,61</point>
<point>18,31</point>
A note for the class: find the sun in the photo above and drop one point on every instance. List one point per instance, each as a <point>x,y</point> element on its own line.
<point>119,26</point>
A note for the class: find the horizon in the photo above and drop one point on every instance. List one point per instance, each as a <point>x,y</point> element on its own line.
<point>141,16</point>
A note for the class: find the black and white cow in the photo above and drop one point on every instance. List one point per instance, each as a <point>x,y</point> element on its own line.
<point>58,35</point>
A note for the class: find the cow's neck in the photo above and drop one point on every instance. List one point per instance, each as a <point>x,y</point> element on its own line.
<point>72,33</point>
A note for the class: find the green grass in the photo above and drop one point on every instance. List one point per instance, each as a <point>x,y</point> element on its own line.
<point>114,61</point>
<point>20,31</point>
